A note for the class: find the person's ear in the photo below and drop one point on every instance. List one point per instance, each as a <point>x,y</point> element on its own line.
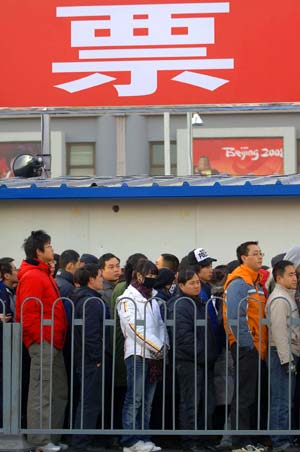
<point>243,258</point>
<point>39,253</point>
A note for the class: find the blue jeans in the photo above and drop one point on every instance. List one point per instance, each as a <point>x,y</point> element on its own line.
<point>132,408</point>
<point>281,391</point>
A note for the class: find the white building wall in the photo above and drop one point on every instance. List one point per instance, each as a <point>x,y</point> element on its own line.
<point>153,226</point>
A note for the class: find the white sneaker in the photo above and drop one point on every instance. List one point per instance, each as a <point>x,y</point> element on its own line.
<point>63,446</point>
<point>250,448</point>
<point>140,446</point>
<point>155,448</point>
<point>50,447</point>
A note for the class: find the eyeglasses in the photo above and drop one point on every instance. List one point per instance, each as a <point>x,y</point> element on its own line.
<point>259,253</point>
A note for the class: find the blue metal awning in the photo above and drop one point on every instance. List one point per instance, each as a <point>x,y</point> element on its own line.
<point>145,187</point>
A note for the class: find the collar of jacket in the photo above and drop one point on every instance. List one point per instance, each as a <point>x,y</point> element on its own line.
<point>246,273</point>
<point>6,288</point>
<point>39,264</point>
<point>65,275</point>
<point>133,293</point>
<point>85,292</point>
<point>197,298</point>
<point>108,284</point>
<point>290,292</point>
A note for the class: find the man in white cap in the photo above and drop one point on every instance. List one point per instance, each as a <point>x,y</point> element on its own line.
<point>202,264</point>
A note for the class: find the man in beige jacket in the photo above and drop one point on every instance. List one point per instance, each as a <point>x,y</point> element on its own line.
<point>282,311</point>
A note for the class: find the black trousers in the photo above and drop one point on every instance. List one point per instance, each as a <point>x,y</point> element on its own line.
<point>196,406</point>
<point>244,415</point>
<point>90,404</point>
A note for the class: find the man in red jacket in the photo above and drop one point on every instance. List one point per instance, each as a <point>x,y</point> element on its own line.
<point>44,328</point>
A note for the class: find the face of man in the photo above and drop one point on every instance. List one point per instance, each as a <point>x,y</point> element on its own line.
<point>160,262</point>
<point>71,267</point>
<point>47,255</point>
<point>11,279</point>
<point>192,287</point>
<point>289,278</point>
<point>205,273</point>
<point>254,258</point>
<point>96,283</point>
<point>112,270</point>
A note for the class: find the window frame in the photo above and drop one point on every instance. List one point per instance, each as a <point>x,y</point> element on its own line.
<point>69,147</point>
<point>152,166</point>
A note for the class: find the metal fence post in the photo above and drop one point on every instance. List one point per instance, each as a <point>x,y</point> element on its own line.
<point>7,354</point>
<point>15,380</point>
<point>12,440</point>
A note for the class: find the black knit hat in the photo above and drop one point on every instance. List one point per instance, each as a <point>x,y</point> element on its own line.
<point>89,259</point>
<point>165,278</point>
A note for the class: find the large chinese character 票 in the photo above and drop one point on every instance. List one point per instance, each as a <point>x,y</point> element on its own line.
<point>142,40</point>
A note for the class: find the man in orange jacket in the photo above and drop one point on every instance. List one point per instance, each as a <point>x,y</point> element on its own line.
<point>244,310</point>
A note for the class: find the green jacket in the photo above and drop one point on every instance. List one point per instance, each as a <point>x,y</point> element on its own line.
<point>118,344</point>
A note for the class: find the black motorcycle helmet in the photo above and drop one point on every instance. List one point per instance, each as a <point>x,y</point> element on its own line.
<point>27,165</point>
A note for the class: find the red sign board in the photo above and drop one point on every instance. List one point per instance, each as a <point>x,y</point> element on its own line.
<point>10,150</point>
<point>148,53</point>
<point>238,156</point>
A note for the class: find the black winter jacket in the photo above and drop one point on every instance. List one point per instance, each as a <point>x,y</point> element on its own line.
<point>185,329</point>
<point>64,281</point>
<point>65,284</point>
<point>95,313</point>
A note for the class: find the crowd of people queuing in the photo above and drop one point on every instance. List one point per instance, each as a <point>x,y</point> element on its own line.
<point>231,326</point>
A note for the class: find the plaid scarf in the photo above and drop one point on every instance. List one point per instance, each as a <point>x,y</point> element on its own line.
<point>147,293</point>
<point>155,370</point>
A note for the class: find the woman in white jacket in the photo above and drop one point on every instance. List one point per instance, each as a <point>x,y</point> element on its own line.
<point>145,345</point>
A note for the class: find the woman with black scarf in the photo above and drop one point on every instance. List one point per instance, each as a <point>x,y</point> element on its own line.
<point>146,343</point>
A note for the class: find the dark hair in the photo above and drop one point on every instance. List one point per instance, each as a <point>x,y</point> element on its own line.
<point>184,264</point>
<point>56,263</point>
<point>106,257</point>
<point>232,265</point>
<point>185,275</point>
<point>279,268</point>
<point>171,261</point>
<point>242,250</point>
<point>68,256</point>
<point>5,266</point>
<point>145,267</point>
<point>277,258</point>
<point>220,273</point>
<point>130,266</point>
<point>36,241</point>
<point>83,274</point>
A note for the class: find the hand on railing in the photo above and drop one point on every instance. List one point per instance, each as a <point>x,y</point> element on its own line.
<point>7,318</point>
